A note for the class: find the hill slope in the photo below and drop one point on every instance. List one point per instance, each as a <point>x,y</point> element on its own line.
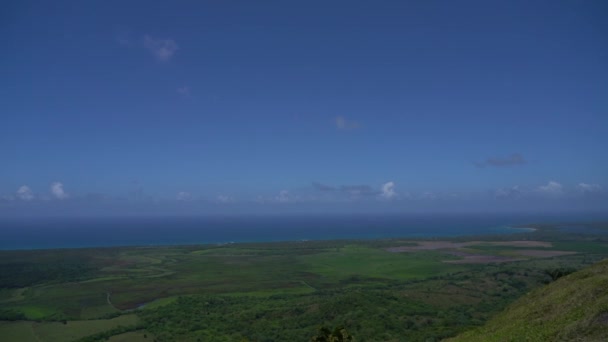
<point>573,308</point>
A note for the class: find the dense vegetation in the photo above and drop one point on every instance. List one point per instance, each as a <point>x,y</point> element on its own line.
<point>574,308</point>
<point>282,291</point>
<point>24,268</point>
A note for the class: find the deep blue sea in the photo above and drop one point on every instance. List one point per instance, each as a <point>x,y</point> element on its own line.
<point>39,233</point>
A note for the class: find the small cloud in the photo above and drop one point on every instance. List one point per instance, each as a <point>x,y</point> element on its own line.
<point>184,91</point>
<point>358,190</point>
<point>7,198</point>
<point>354,191</point>
<point>57,191</point>
<point>589,188</point>
<point>512,160</point>
<point>323,187</point>
<point>343,124</point>
<point>388,191</point>
<point>260,200</point>
<point>163,49</point>
<point>552,188</point>
<point>24,193</point>
<point>225,199</point>
<point>428,195</point>
<point>183,196</point>
<point>513,192</point>
<point>406,195</point>
<point>283,196</point>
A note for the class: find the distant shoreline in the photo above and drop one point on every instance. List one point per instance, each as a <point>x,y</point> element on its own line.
<point>368,235</point>
<point>528,229</point>
<point>147,232</point>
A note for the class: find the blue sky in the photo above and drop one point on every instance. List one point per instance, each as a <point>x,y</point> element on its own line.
<point>248,106</point>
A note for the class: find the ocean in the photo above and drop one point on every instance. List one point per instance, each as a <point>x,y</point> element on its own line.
<point>44,233</point>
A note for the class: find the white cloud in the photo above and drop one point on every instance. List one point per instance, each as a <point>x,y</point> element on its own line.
<point>184,91</point>
<point>406,195</point>
<point>512,160</point>
<point>589,188</point>
<point>428,195</point>
<point>513,192</point>
<point>388,190</point>
<point>283,196</point>
<point>25,193</point>
<point>225,199</point>
<point>552,188</point>
<point>57,190</point>
<point>183,196</point>
<point>260,200</point>
<point>163,49</point>
<point>343,123</point>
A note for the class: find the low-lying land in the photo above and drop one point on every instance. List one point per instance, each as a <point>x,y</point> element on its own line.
<point>380,290</point>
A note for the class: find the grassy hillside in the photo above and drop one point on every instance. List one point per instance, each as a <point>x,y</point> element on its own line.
<point>573,308</point>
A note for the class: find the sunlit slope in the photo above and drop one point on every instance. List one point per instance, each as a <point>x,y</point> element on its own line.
<point>573,308</point>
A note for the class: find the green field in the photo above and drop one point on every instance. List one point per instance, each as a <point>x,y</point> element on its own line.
<point>61,331</point>
<point>423,290</point>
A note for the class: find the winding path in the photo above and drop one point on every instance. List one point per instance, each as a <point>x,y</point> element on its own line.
<point>307,284</point>
<point>110,301</point>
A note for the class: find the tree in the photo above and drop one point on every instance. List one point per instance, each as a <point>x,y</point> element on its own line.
<point>339,334</point>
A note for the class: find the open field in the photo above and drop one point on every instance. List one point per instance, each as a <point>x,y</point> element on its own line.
<point>380,290</point>
<point>62,331</point>
<point>132,336</point>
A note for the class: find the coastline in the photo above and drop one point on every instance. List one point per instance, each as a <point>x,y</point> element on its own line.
<point>526,229</point>
<point>371,234</point>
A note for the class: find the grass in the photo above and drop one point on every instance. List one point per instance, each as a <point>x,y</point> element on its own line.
<point>581,246</point>
<point>58,332</point>
<point>160,302</point>
<point>132,336</point>
<point>305,288</point>
<point>17,331</point>
<point>354,261</point>
<point>91,312</point>
<point>573,308</point>
<point>37,312</point>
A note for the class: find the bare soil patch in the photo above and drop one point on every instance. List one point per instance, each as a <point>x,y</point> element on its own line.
<point>468,257</point>
<point>519,243</point>
<point>427,245</point>
<point>435,245</point>
<point>540,253</point>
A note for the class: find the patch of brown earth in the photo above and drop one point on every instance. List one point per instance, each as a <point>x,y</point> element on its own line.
<point>435,245</point>
<point>427,245</point>
<point>468,257</point>
<point>540,253</point>
<point>520,243</point>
